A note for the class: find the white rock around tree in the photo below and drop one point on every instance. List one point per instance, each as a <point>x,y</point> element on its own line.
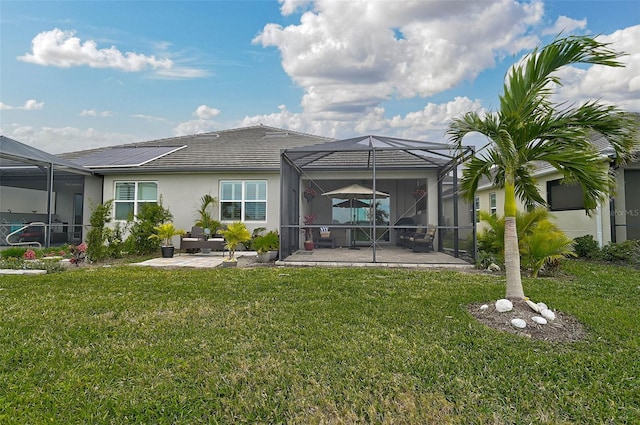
<point>548,314</point>
<point>518,323</point>
<point>533,306</point>
<point>539,320</point>
<point>504,305</point>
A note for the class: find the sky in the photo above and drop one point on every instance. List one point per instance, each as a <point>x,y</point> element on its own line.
<point>77,75</point>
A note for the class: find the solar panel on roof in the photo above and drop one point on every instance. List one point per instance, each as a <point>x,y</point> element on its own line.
<point>126,157</point>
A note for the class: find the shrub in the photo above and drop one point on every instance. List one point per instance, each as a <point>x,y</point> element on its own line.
<point>13,252</point>
<point>485,258</point>
<point>542,244</point>
<point>149,217</point>
<point>97,236</point>
<point>623,252</point>
<point>29,254</point>
<point>544,247</point>
<point>586,247</point>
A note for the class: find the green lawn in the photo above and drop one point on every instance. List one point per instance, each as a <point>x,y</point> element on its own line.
<point>301,345</point>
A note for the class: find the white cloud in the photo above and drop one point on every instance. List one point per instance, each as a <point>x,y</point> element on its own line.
<point>29,105</point>
<point>565,25</point>
<point>291,6</point>
<point>149,118</point>
<point>65,139</point>
<point>205,112</point>
<point>194,127</point>
<point>94,113</point>
<point>349,57</point>
<point>62,49</point>
<point>428,123</point>
<point>614,85</point>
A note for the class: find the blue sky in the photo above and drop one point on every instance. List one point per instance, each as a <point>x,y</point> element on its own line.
<point>80,74</point>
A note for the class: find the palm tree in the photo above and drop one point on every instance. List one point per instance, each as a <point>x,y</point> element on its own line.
<point>529,127</point>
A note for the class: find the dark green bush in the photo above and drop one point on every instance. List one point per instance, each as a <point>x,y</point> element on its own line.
<point>586,247</point>
<point>149,217</point>
<point>13,252</point>
<point>485,258</point>
<point>97,236</point>
<point>624,252</point>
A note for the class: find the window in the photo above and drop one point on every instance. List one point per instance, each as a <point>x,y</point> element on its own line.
<point>243,200</point>
<point>563,197</point>
<point>493,208</point>
<point>130,196</point>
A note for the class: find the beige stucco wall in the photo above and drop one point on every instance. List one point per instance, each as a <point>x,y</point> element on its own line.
<point>573,223</point>
<point>181,194</point>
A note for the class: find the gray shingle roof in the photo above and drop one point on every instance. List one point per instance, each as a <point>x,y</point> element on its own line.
<point>254,148</point>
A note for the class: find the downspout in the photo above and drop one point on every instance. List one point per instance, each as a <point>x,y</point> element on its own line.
<point>456,247</point>
<point>373,200</point>
<point>599,226</point>
<point>47,233</point>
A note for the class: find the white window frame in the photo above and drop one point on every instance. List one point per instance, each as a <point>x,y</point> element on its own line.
<point>242,200</point>
<point>136,200</point>
<point>493,203</point>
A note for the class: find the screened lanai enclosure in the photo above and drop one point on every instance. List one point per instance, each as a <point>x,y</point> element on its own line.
<point>41,197</point>
<point>374,195</point>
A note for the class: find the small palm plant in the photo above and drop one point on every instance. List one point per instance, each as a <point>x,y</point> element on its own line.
<point>165,232</point>
<point>235,234</point>
<point>545,247</point>
<point>541,243</point>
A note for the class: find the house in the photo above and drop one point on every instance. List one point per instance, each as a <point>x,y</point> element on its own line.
<point>615,221</point>
<point>260,175</point>
<point>240,167</point>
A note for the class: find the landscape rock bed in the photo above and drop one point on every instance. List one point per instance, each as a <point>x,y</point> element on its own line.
<point>564,328</point>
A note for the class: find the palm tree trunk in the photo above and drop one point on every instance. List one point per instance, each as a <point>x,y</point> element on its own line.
<point>511,246</point>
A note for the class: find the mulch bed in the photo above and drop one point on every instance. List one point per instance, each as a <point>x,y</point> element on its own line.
<point>565,328</point>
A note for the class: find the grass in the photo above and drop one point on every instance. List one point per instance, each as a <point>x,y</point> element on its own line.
<point>268,345</point>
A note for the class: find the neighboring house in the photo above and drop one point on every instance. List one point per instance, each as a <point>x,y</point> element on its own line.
<point>615,221</point>
<point>37,187</point>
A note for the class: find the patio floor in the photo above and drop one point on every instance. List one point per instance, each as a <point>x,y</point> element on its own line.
<point>386,256</point>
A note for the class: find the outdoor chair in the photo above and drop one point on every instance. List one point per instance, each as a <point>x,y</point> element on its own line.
<point>196,240</point>
<point>423,242</point>
<point>408,237</point>
<point>403,231</point>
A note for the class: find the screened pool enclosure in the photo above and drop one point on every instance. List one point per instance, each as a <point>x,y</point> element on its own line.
<point>368,193</point>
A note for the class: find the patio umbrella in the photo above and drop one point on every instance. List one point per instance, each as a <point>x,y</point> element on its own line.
<point>352,204</point>
<point>353,193</point>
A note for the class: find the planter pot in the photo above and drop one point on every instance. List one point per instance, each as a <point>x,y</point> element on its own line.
<point>273,254</point>
<point>308,245</point>
<point>264,257</point>
<point>167,251</point>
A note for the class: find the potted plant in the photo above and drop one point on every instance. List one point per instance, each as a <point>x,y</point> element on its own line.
<point>205,213</point>
<point>165,232</point>
<point>309,219</point>
<point>266,246</point>
<point>309,194</point>
<point>206,221</point>
<point>235,234</point>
